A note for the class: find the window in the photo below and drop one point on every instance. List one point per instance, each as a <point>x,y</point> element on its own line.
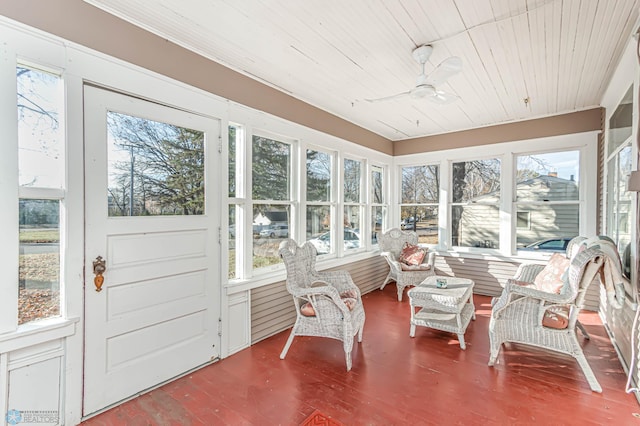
<point>236,203</point>
<point>547,191</point>
<point>272,201</point>
<point>320,209</point>
<point>475,206</point>
<point>41,177</point>
<point>619,163</point>
<point>420,196</point>
<point>378,206</point>
<point>523,220</point>
<point>353,206</point>
<point>155,168</point>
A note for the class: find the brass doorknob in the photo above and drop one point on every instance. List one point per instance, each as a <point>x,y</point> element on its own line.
<point>99,266</point>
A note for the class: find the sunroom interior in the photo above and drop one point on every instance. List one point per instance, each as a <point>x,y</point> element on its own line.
<point>154,171</point>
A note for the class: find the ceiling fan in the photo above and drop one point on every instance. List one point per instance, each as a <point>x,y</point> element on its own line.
<point>425,87</point>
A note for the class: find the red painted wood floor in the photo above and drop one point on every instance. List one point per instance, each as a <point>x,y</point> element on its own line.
<point>395,380</point>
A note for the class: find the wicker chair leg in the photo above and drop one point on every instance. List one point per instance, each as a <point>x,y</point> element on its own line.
<point>360,333</point>
<point>386,281</point>
<point>288,344</point>
<point>400,291</point>
<point>348,359</point>
<point>583,330</point>
<point>588,373</point>
<point>494,349</point>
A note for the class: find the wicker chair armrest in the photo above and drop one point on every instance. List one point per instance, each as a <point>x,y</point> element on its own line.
<point>391,260</point>
<point>340,280</point>
<point>431,259</point>
<point>516,289</point>
<point>319,288</point>
<point>527,272</point>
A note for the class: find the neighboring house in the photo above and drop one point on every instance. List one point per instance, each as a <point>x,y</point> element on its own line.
<point>536,220</point>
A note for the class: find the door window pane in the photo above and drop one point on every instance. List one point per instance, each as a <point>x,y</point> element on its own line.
<point>154,168</point>
<point>39,269</point>
<point>40,128</point>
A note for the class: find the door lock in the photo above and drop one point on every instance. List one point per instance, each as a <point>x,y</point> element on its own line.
<point>99,266</point>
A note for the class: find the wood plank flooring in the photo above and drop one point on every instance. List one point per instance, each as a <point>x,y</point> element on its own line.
<point>395,380</point>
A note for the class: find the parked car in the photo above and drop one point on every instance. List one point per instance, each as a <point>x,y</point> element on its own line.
<point>276,231</point>
<point>407,223</point>
<point>551,244</point>
<point>322,242</point>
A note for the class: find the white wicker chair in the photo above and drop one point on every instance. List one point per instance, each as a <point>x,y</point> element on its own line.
<point>518,313</point>
<point>322,290</point>
<point>391,244</point>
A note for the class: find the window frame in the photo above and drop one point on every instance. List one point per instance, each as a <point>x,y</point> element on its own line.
<point>586,143</point>
<point>416,204</point>
<point>451,204</point>
<point>40,193</point>
<point>331,203</point>
<point>519,206</point>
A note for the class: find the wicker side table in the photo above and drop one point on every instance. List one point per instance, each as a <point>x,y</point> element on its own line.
<point>447,309</point>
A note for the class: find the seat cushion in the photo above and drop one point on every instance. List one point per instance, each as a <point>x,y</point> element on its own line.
<point>552,277</point>
<point>412,254</point>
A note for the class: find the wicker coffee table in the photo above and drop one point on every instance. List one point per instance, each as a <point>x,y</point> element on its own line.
<point>446,309</point>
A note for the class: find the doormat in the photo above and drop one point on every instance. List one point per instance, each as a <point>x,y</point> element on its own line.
<point>318,419</point>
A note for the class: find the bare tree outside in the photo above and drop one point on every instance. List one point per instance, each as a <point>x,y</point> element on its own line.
<point>40,105</point>
<point>154,168</point>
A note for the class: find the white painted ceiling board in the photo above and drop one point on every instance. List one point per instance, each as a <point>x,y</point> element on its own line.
<point>336,54</point>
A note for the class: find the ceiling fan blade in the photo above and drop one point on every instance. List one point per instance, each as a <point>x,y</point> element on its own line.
<point>446,69</point>
<point>388,98</point>
<point>442,98</point>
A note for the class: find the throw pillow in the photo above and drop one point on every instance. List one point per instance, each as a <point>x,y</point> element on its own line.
<point>412,254</point>
<point>551,278</point>
<point>307,310</point>
<point>350,302</point>
<point>556,317</point>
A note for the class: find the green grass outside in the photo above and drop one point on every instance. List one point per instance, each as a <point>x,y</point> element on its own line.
<point>39,236</point>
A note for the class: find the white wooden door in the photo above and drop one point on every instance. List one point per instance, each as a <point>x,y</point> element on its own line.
<point>156,315</point>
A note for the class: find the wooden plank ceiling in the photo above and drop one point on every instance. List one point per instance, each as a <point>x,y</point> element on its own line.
<point>522,59</point>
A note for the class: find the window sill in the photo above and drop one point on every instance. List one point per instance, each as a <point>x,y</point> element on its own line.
<point>37,332</point>
<point>238,286</point>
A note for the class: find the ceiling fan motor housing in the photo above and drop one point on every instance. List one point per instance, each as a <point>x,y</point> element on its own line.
<point>422,53</point>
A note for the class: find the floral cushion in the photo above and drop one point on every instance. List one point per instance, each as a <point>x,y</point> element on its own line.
<point>552,277</point>
<point>412,254</point>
